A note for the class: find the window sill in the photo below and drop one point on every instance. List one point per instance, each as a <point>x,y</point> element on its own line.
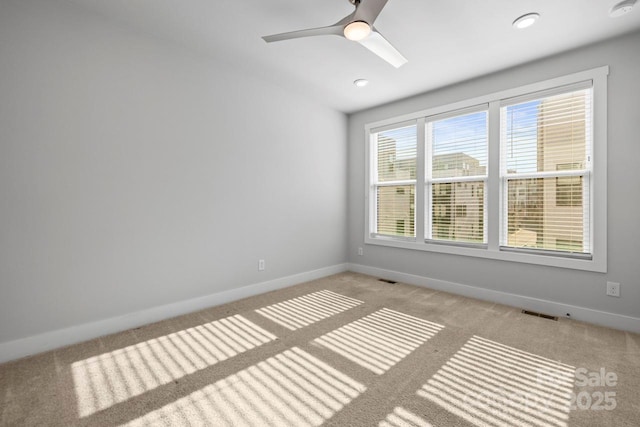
<point>482,251</point>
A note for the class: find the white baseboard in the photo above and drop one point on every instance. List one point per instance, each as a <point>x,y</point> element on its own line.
<point>611,320</point>
<point>11,350</point>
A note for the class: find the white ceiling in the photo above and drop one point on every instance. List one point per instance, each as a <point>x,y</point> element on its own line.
<point>445,41</point>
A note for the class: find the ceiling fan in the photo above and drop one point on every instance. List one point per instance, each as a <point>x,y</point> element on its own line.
<point>358,26</point>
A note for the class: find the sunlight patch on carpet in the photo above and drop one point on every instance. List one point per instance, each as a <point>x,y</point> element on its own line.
<point>292,388</point>
<point>302,311</point>
<point>109,378</point>
<point>490,384</point>
<point>379,340</point>
<point>401,417</point>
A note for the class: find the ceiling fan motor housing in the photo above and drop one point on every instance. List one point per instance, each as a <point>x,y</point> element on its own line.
<point>358,27</point>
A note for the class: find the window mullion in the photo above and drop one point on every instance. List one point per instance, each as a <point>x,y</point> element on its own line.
<point>428,175</point>
<point>493,202</point>
<point>372,227</point>
<point>420,210</point>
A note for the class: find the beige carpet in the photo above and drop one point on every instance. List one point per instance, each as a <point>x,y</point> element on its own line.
<point>347,350</point>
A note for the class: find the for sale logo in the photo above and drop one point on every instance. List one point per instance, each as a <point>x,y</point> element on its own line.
<point>555,389</point>
<point>587,390</point>
<point>596,400</point>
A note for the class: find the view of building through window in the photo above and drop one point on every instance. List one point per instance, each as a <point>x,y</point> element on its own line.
<point>458,171</point>
<point>545,149</point>
<point>545,166</point>
<point>396,183</point>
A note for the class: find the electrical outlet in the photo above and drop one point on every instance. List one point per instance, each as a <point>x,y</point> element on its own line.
<point>360,252</point>
<point>613,289</point>
<point>261,265</point>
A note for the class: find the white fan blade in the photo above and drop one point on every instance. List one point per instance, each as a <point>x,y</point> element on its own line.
<point>321,31</point>
<point>381,47</point>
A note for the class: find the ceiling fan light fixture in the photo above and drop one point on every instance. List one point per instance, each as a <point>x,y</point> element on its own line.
<point>526,20</point>
<point>357,30</point>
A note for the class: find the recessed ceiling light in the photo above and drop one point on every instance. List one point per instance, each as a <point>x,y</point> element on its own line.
<point>357,30</point>
<point>526,20</point>
<point>361,82</point>
<point>622,8</point>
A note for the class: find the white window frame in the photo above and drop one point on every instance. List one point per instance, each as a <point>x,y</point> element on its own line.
<point>493,191</point>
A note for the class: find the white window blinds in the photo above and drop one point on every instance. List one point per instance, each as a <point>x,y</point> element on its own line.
<point>546,168</point>
<point>395,181</point>
<point>456,178</point>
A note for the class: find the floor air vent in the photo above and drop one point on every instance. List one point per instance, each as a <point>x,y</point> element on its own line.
<point>544,316</point>
<point>387,281</point>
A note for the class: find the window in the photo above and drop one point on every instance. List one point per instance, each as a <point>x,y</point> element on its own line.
<point>395,182</point>
<point>461,211</point>
<point>546,152</point>
<point>456,165</point>
<point>518,175</point>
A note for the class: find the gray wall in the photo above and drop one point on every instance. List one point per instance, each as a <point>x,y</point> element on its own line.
<point>135,174</point>
<point>572,287</point>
